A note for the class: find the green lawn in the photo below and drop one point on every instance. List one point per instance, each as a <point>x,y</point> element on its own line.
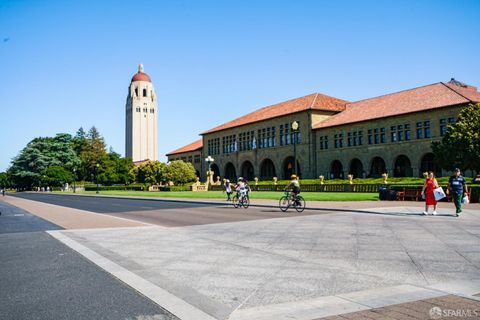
<point>309,196</point>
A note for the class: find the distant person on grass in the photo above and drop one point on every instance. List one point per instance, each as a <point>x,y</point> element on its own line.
<point>228,190</point>
<point>457,186</point>
<point>427,193</point>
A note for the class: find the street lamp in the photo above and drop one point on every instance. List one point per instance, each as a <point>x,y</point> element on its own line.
<point>96,176</point>
<point>74,178</point>
<point>209,161</point>
<point>295,132</point>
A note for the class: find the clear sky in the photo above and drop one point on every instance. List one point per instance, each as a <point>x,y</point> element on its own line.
<point>67,64</point>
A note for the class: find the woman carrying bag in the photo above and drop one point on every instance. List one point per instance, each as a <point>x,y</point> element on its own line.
<point>427,192</point>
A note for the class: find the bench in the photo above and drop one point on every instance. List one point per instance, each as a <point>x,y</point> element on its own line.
<point>409,193</point>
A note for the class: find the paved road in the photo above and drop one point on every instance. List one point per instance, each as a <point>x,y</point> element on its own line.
<point>169,213</point>
<point>42,278</point>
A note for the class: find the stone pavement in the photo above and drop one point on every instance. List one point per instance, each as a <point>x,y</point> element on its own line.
<point>305,267</point>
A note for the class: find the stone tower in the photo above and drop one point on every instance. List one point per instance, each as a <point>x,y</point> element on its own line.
<point>141,119</point>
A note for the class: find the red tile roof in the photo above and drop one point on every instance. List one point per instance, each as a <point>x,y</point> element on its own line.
<point>433,96</point>
<point>188,148</point>
<point>314,101</point>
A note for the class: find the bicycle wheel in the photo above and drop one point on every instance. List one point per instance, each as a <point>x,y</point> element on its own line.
<point>235,201</point>
<point>299,204</point>
<point>246,202</point>
<point>284,203</point>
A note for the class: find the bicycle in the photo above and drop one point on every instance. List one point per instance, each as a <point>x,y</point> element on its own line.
<point>243,201</point>
<point>287,201</point>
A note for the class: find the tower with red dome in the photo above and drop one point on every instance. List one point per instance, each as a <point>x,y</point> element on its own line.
<point>141,119</point>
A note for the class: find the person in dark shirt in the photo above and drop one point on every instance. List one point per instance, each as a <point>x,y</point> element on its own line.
<point>458,188</point>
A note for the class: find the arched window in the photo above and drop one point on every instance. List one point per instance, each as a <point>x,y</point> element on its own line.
<point>336,170</point>
<point>144,92</point>
<point>267,169</point>
<point>403,167</point>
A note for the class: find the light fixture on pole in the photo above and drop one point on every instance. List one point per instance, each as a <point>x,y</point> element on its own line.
<point>295,132</point>
<point>209,161</point>
<point>74,178</point>
<point>96,176</point>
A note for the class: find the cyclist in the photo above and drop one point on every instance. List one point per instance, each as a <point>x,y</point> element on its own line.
<point>241,188</point>
<point>294,185</point>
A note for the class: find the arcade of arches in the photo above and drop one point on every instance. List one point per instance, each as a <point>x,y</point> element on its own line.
<point>402,167</point>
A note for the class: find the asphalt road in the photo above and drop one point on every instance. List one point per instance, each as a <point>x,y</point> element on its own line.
<point>40,278</point>
<point>169,213</point>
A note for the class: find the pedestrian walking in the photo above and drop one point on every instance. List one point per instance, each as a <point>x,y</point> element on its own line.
<point>457,186</point>
<point>427,193</point>
<point>228,190</point>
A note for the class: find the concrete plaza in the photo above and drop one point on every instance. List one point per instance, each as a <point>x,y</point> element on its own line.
<point>295,267</point>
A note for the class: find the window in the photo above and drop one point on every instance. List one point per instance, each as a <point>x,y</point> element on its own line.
<point>382,135</point>
<point>229,144</point>
<point>144,92</point>
<point>266,138</point>
<point>370,136</point>
<point>407,132</point>
<point>152,110</point>
<point>196,158</point>
<point>419,130</point>
<point>287,134</point>
<point>338,140</point>
<point>145,110</point>
<point>426,129</point>
<point>324,143</point>
<point>213,146</point>
<point>349,139</point>
<point>444,125</point>
<point>360,137</point>
<point>393,134</point>
<point>136,92</point>
<point>138,109</point>
<point>400,133</point>
<point>190,159</point>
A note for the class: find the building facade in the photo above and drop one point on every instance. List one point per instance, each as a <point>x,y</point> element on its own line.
<point>141,142</point>
<point>387,134</point>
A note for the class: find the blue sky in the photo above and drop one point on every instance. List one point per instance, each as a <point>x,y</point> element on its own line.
<point>67,64</point>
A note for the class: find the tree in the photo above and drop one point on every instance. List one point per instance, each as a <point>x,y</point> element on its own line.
<point>147,172</point>
<point>29,166</point>
<point>181,172</point>
<point>57,176</point>
<point>4,180</point>
<point>92,152</point>
<point>460,147</point>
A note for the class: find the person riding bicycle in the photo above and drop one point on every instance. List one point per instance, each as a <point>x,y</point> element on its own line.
<point>294,185</point>
<point>241,188</point>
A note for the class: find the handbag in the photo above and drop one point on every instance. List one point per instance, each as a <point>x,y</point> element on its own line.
<point>438,193</point>
<point>465,200</point>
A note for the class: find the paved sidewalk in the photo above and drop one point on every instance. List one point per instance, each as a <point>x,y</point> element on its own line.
<point>70,218</point>
<point>305,267</point>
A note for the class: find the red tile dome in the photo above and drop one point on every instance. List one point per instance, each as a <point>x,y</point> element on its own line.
<point>140,75</point>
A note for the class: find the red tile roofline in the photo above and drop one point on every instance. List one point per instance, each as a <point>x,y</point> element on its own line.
<point>222,126</point>
<point>194,146</point>
<point>376,118</point>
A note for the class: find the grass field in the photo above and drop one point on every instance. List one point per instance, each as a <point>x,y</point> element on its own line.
<point>309,196</point>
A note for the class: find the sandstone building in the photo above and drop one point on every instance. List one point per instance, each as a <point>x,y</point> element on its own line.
<point>390,133</point>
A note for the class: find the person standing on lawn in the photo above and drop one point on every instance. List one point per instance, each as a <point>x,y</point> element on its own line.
<point>228,190</point>
<point>458,188</point>
<point>427,193</point>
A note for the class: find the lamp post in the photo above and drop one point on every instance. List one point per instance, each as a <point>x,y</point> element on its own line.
<point>295,132</point>
<point>209,161</point>
<point>96,176</point>
<point>74,178</point>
